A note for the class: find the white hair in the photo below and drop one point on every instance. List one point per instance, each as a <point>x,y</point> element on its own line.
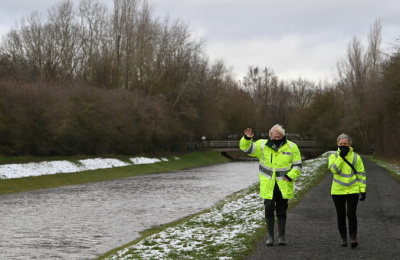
<point>277,128</point>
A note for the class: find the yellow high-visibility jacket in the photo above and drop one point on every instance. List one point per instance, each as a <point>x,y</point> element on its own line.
<point>274,165</point>
<point>345,180</point>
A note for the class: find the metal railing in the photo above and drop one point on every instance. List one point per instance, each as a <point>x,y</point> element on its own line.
<point>235,144</point>
<point>222,144</point>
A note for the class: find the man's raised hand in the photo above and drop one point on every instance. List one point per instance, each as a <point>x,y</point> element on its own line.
<point>249,133</point>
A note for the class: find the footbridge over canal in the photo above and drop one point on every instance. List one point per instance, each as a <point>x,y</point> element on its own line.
<point>308,149</point>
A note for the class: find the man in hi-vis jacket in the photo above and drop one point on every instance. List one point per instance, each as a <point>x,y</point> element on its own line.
<point>280,164</point>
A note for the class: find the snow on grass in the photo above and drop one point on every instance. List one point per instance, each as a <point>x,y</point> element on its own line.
<point>391,167</point>
<point>216,234</point>
<point>200,237</point>
<point>10,171</point>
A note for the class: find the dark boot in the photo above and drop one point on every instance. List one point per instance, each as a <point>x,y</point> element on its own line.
<point>270,229</point>
<point>281,228</point>
<point>353,240</point>
<point>344,240</point>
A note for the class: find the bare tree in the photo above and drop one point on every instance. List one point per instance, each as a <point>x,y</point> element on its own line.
<point>155,72</point>
<point>94,33</point>
<point>65,34</point>
<point>271,96</point>
<point>358,75</point>
<point>388,107</point>
<point>25,43</point>
<point>302,93</point>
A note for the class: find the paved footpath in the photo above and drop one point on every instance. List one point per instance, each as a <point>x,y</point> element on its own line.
<point>311,231</point>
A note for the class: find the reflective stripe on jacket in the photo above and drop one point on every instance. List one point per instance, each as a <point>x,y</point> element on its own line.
<point>345,180</point>
<point>274,165</point>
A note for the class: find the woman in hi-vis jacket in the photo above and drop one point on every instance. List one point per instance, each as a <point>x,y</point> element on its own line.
<point>349,181</point>
<point>279,165</point>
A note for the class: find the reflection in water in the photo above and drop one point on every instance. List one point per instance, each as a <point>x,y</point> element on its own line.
<point>85,221</point>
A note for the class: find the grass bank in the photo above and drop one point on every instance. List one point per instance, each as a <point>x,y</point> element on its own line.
<point>393,167</point>
<point>173,163</point>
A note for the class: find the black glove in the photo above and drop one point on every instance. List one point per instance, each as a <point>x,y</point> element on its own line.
<point>363,195</point>
<point>344,150</point>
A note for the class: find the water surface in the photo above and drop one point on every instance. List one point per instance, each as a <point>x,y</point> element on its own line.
<point>84,221</point>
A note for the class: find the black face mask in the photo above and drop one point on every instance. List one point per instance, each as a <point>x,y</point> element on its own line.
<point>344,150</point>
<point>277,142</point>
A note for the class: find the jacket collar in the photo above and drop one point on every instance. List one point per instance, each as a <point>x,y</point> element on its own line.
<point>270,144</point>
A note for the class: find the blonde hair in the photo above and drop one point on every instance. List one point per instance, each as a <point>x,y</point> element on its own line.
<point>344,136</point>
<point>277,128</point>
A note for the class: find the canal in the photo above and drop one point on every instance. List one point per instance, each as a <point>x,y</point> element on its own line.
<point>84,221</point>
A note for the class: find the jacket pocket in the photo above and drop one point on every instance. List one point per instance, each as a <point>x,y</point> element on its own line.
<point>287,189</point>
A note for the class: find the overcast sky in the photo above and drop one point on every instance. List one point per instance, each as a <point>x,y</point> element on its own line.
<point>294,38</point>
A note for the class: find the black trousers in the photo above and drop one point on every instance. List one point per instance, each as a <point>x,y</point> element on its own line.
<point>278,204</point>
<point>346,205</point>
